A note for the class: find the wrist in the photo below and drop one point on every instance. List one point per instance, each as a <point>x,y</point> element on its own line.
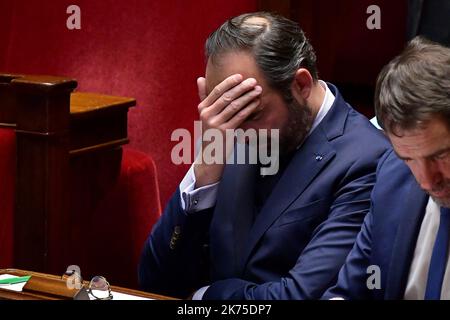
<point>206,174</point>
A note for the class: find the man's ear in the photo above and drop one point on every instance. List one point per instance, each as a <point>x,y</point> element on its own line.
<point>302,85</point>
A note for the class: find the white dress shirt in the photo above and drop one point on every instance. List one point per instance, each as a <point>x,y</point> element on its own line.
<point>418,273</point>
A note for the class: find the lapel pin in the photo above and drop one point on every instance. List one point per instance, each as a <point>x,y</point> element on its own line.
<point>319,158</point>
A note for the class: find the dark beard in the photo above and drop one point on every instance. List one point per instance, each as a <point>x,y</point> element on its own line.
<point>292,135</point>
<point>443,202</point>
<point>299,123</point>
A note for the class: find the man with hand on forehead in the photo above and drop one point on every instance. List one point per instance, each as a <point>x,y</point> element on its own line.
<point>229,232</point>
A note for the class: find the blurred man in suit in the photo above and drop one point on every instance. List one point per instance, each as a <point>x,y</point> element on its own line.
<point>230,233</point>
<point>406,234</point>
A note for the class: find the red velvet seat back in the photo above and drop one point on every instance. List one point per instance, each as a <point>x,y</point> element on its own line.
<point>122,220</point>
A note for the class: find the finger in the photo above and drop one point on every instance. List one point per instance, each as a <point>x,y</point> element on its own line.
<point>201,85</point>
<point>236,105</point>
<point>221,88</point>
<point>242,115</point>
<point>231,95</point>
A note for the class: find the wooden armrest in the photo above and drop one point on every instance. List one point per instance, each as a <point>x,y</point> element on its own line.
<point>83,104</point>
<point>97,122</point>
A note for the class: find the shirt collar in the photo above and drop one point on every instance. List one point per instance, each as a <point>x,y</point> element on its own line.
<point>327,102</point>
<point>326,105</point>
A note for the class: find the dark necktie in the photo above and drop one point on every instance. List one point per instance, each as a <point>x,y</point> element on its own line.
<point>439,258</point>
<point>265,184</point>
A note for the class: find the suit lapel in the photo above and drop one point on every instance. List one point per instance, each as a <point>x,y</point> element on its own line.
<point>405,243</point>
<point>232,217</point>
<point>242,210</point>
<point>307,162</point>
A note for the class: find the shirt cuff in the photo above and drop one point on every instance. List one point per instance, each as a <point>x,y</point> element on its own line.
<point>198,295</point>
<point>193,200</point>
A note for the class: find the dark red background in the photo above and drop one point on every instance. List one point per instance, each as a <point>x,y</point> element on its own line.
<point>153,51</point>
<point>149,50</point>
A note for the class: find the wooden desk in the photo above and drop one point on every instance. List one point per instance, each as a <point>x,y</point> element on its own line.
<point>97,122</point>
<point>68,148</point>
<point>13,295</point>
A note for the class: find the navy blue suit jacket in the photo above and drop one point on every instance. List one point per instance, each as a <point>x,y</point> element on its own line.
<point>388,236</point>
<point>300,238</point>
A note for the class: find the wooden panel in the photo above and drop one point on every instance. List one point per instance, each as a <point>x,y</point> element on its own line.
<point>98,122</point>
<point>42,192</point>
<point>59,134</point>
<point>84,104</point>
